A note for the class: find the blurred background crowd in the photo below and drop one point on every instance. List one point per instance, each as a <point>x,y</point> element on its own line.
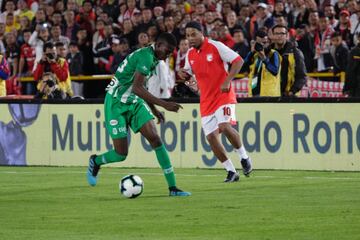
<point>78,37</point>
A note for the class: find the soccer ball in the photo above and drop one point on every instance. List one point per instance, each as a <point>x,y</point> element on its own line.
<point>131,186</point>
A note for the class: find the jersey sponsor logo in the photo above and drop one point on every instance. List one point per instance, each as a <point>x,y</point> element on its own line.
<point>209,57</point>
<point>113,122</point>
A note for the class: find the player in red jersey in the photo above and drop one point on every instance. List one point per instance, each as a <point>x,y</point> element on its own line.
<point>208,61</point>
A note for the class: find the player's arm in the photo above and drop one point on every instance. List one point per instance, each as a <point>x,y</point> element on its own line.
<point>229,56</point>
<point>186,72</point>
<point>139,90</point>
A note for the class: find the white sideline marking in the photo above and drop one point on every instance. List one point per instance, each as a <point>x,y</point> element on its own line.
<point>185,175</point>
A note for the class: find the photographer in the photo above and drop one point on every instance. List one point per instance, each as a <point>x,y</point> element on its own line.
<point>50,62</point>
<point>263,67</point>
<point>48,88</point>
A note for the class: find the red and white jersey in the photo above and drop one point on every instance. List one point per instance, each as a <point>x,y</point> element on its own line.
<point>209,64</point>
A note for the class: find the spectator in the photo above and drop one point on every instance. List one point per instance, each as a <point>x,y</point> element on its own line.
<point>37,40</point>
<point>12,52</point>
<point>263,66</point>
<point>147,19</point>
<point>75,61</point>
<point>39,19</point>
<point>24,25</point>
<point>262,18</point>
<point>103,49</point>
<point>11,24</point>
<point>330,13</point>
<point>57,37</point>
<point>71,27</point>
<point>131,9</point>
<point>352,79</point>
<point>241,45</point>
<point>4,75</point>
<point>182,89</point>
<point>120,16</point>
<point>23,10</point>
<point>57,19</point>
<point>61,49</point>
<point>143,40</point>
<point>86,17</point>
<point>50,62</point>
<point>322,42</point>
<point>171,28</point>
<point>279,10</point>
<point>293,71</point>
<point>26,63</point>
<point>225,36</point>
<point>339,52</point>
<point>208,22</point>
<point>152,32</point>
<point>158,11</point>
<point>305,43</point>
<point>119,53</point>
<point>85,48</point>
<point>232,23</point>
<point>49,88</point>
<point>344,27</point>
<point>128,32</point>
<point>244,15</point>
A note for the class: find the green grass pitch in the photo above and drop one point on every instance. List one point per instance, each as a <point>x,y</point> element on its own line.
<point>56,203</point>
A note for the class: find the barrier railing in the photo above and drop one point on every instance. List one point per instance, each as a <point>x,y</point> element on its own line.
<point>108,77</point>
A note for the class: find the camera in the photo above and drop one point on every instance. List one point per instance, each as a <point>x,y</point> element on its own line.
<point>258,47</point>
<point>50,83</point>
<point>50,56</point>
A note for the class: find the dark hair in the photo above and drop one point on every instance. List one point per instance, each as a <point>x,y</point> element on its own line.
<point>279,26</point>
<point>261,34</point>
<point>168,38</point>
<point>238,30</point>
<point>59,44</point>
<point>336,34</point>
<point>27,30</point>
<point>48,45</point>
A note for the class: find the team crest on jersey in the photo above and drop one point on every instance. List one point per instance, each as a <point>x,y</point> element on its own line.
<point>113,122</point>
<point>191,62</point>
<point>209,57</point>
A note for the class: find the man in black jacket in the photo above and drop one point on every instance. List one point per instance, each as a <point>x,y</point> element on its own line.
<point>352,81</point>
<point>339,52</point>
<point>293,70</point>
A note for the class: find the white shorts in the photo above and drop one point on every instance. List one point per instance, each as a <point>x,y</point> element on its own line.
<point>224,114</point>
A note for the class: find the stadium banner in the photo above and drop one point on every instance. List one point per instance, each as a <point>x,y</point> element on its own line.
<point>306,136</point>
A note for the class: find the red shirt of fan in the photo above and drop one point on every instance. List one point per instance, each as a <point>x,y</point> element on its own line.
<point>209,65</point>
<point>28,53</point>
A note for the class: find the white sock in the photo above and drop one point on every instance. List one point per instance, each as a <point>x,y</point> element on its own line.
<point>228,165</point>
<point>242,152</point>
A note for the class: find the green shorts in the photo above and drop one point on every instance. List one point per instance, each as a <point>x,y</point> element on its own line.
<point>119,116</point>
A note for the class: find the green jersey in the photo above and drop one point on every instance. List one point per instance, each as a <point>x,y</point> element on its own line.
<point>143,61</point>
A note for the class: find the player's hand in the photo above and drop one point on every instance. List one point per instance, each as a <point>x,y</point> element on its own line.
<point>159,115</point>
<point>225,87</point>
<point>172,106</point>
<point>183,75</point>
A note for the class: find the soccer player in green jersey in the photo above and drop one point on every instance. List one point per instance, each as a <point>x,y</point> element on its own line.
<point>129,104</point>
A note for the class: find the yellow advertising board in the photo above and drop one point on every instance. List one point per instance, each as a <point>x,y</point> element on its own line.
<point>311,136</point>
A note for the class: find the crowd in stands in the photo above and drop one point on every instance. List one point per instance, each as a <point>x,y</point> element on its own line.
<point>93,37</point>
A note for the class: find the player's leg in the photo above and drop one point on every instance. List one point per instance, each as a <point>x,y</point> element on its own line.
<point>210,127</point>
<point>116,125</point>
<point>225,116</point>
<point>144,123</point>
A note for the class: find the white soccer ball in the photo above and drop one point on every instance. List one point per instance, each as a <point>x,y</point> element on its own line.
<point>131,186</point>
